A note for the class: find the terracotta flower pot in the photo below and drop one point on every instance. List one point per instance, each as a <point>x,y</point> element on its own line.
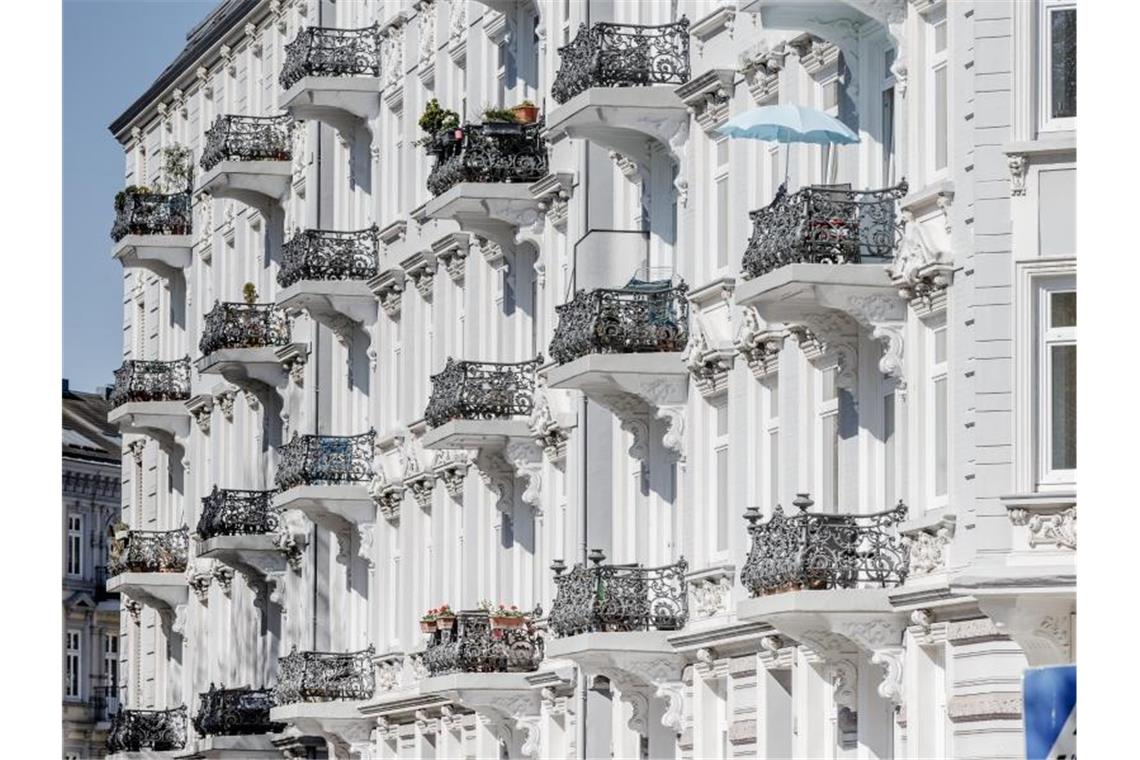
<point>427,626</point>
<point>526,114</point>
<point>445,623</point>
<point>506,622</point>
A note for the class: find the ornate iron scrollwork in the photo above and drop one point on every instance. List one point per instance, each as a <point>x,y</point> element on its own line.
<point>146,213</point>
<point>622,55</point>
<point>474,646</point>
<point>325,676</point>
<point>325,52</point>
<point>158,730</point>
<point>243,325</point>
<point>318,460</point>
<point>824,225</point>
<point>329,255</point>
<point>618,597</point>
<point>150,551</point>
<point>824,551</point>
<point>248,138</point>
<point>490,152</point>
<point>139,380</point>
<point>232,512</point>
<point>621,321</point>
<point>469,390</point>
<point>235,712</point>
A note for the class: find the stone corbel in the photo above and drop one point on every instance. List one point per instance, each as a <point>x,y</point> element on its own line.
<point>884,317</point>
<point>293,358</point>
<point>451,468</point>
<point>776,653</point>
<point>388,496</point>
<point>201,407</point>
<point>388,286</point>
<point>881,638</point>
<point>673,692</point>
<point>421,485</point>
<point>761,68</point>
<point>225,400</point>
<point>759,346</point>
<point>553,193</point>
<point>531,726</point>
<point>451,250</point>
<point>1041,626</point>
<point>1018,168</point>
<point>710,590</point>
<point>420,268</point>
<point>199,582</point>
<point>499,476</point>
<point>225,577</point>
<point>929,546</point>
<point>550,432</point>
<point>134,609</point>
<point>922,268</point>
<point>708,365</point>
<point>707,97</point>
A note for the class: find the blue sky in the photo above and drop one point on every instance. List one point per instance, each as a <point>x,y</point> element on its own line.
<point>112,50</point>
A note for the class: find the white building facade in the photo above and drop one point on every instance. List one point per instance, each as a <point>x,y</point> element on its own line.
<point>764,451</point>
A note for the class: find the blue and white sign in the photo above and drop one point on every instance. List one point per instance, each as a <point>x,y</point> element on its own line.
<point>1050,712</point>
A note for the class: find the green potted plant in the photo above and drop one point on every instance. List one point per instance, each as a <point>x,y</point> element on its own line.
<point>444,618</point>
<point>525,112</point>
<point>436,119</point>
<point>249,293</point>
<point>428,622</point>
<point>504,617</point>
<point>177,169</point>
<point>495,114</point>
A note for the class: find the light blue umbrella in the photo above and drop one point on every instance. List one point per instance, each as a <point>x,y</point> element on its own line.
<point>789,124</point>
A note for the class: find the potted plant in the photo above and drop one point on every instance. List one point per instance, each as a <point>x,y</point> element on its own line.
<point>428,622</point>
<point>503,617</point>
<point>445,618</point>
<point>436,119</point>
<point>525,112</point>
<point>249,293</point>
<point>177,169</point>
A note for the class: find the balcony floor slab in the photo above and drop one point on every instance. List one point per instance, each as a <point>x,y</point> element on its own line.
<point>792,291</point>
<point>335,303</point>
<point>339,722</point>
<point>331,506</point>
<point>494,210</point>
<point>147,754</point>
<point>621,118</point>
<point>344,103</point>
<point>247,368</point>
<point>166,421</point>
<point>661,377</point>
<point>163,254</point>
<point>477,434</point>
<point>260,184</point>
<point>164,591</point>
<point>259,553</point>
<point>829,621</point>
<point>251,747</point>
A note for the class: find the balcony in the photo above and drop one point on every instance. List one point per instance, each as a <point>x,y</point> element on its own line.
<point>477,405</point>
<point>148,399</point>
<point>605,84</point>
<point>327,273</point>
<point>333,76</point>
<point>139,730</point>
<point>248,159</point>
<point>318,694</point>
<point>149,566</point>
<point>482,175</point>
<point>473,645</point>
<point>327,478</point>
<point>234,722</point>
<point>614,620</point>
<point>824,579</point>
<point>240,342</point>
<point>153,230</point>
<point>622,347</point>
<point>244,530</point>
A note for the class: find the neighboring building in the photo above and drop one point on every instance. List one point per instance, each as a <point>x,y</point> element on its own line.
<point>91,505</point>
<point>772,473</point>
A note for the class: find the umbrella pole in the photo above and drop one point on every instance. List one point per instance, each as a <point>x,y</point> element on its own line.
<point>787,150</point>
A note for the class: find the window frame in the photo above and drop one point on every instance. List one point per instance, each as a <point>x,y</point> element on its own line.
<point>827,410</point>
<point>937,61</point>
<point>1045,338</point>
<point>73,662</point>
<point>1045,121</point>
<point>721,488</point>
<point>74,552</point>
<point>771,441</point>
<point>719,233</point>
<point>936,372</point>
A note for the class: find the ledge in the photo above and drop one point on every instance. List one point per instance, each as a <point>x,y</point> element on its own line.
<point>1051,145</point>
<point>345,103</point>
<point>165,255</point>
<point>477,434</point>
<point>621,118</point>
<point>256,552</point>
<point>248,747</point>
<point>259,366</point>
<point>493,210</point>
<point>165,591</point>
<point>166,421</point>
<point>334,303</point>
<point>789,292</point>
<point>260,184</point>
<point>331,506</point>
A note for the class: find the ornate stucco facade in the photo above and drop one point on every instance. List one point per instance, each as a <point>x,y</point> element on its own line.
<point>773,447</point>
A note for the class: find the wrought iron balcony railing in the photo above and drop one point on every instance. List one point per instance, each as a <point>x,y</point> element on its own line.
<point>243,325</point>
<point>323,460</point>
<point>325,52</point>
<point>150,551</point>
<point>642,318</point>
<point>158,730</point>
<point>141,212</point>
<point>230,512</point>
<point>329,255</point>
<point>248,138</point>
<point>824,225</point>
<point>472,645</point>
<point>467,390</point>
<point>618,597</point>
<point>488,152</point>
<point>139,380</point>
<point>814,551</point>
<point>235,712</point>
<point>325,676</point>
<point>622,55</point>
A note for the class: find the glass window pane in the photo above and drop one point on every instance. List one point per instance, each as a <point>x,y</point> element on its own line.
<point>940,437</point>
<point>1064,406</point>
<point>774,467</point>
<point>1063,56</point>
<point>940,345</point>
<point>828,378</point>
<point>722,222</point>
<point>940,37</point>
<point>774,398</point>
<point>722,499</point>
<point>722,420</point>
<point>888,119</point>
<point>722,152</point>
<point>889,449</point>
<point>1063,309</point>
<point>940,126</point>
<point>830,463</point>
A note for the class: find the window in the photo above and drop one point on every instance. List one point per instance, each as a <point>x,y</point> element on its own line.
<point>890,465</point>
<point>887,120</point>
<point>111,660</point>
<point>828,427</point>
<point>1057,368</point>
<point>777,177</point>
<point>72,664</point>
<point>720,455</point>
<point>1058,64</point>
<point>938,416</point>
<point>939,89</point>
<point>720,182</point>
<point>74,544</point>
<point>772,441</point>
<point>829,91</point>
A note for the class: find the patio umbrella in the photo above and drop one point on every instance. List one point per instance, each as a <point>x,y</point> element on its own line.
<point>789,124</point>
